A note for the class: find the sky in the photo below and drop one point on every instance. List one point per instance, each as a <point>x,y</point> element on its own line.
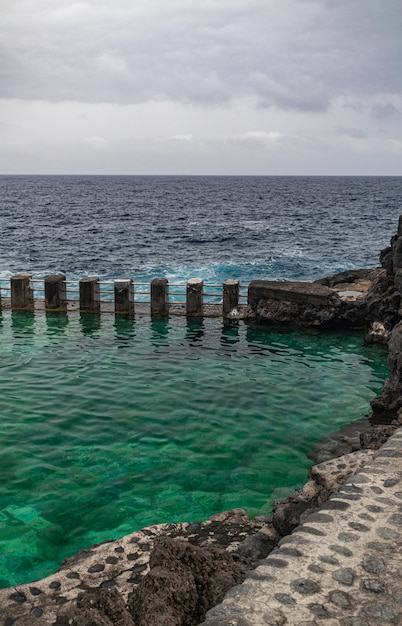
<point>237,87</point>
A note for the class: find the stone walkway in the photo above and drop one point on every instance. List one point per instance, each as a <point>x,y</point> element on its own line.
<point>341,567</point>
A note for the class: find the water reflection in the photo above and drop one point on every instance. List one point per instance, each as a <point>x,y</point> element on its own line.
<point>23,323</point>
<point>56,322</point>
<point>159,331</point>
<point>230,333</point>
<point>90,324</point>
<point>124,326</point>
<point>195,330</point>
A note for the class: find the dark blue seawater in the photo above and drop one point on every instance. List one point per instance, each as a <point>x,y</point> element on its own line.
<point>299,228</point>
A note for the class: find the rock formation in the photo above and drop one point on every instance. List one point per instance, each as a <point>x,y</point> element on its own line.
<point>184,581</point>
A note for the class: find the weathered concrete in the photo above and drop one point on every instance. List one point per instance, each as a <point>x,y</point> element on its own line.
<point>55,293</point>
<point>21,291</point>
<point>293,303</point>
<point>351,299</point>
<point>89,295</point>
<point>230,298</point>
<point>290,291</point>
<point>160,297</point>
<point>124,296</point>
<point>194,297</point>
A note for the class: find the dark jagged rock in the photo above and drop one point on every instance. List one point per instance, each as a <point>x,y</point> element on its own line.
<point>256,547</point>
<point>376,436</point>
<point>387,404</point>
<point>287,513</point>
<point>347,278</point>
<point>99,607</point>
<point>377,334</point>
<point>383,302</point>
<point>183,583</point>
<point>222,530</point>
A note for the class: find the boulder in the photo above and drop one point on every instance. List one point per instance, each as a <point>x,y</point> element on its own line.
<point>287,513</point>
<point>98,607</point>
<point>183,583</point>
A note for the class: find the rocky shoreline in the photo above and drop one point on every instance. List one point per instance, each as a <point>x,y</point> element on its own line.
<point>173,574</point>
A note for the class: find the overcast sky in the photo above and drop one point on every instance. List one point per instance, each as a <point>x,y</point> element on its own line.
<point>201,87</point>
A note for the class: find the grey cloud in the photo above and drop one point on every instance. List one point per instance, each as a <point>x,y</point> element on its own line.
<point>382,111</point>
<point>355,133</point>
<point>291,54</point>
<point>379,110</point>
<point>354,105</point>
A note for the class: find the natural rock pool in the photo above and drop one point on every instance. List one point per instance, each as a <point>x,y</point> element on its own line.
<point>108,425</point>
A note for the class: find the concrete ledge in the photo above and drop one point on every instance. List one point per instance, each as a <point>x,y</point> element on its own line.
<point>294,292</point>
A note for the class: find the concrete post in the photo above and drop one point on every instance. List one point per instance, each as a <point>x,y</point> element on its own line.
<point>195,296</point>
<point>21,291</point>
<point>160,296</point>
<point>55,293</point>
<point>230,289</point>
<point>89,295</point>
<point>124,296</point>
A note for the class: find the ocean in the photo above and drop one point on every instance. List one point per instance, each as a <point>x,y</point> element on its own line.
<point>111,424</point>
<point>178,227</point>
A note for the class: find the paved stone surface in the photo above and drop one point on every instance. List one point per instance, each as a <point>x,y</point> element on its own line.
<point>340,567</point>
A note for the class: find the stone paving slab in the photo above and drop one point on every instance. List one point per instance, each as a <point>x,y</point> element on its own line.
<point>341,567</point>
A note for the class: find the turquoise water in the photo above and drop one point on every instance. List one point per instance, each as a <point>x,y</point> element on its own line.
<point>110,425</point>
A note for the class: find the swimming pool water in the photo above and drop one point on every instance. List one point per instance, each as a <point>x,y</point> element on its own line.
<point>108,425</point>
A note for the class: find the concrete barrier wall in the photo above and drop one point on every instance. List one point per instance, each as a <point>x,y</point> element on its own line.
<point>22,293</point>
